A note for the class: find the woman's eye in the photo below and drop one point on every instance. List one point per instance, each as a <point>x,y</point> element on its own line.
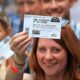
<point>42,50</point>
<point>55,50</point>
<point>60,0</point>
<point>30,3</point>
<point>46,1</point>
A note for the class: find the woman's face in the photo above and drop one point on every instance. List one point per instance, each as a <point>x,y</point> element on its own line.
<point>51,57</point>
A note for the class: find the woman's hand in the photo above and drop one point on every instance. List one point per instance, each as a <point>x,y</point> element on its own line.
<point>19,44</point>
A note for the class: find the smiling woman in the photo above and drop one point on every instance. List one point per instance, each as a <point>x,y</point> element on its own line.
<point>56,59</point>
<point>50,59</point>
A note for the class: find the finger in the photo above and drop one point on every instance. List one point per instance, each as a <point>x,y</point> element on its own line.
<point>21,51</point>
<point>17,35</point>
<point>17,41</point>
<point>25,47</point>
<point>23,43</point>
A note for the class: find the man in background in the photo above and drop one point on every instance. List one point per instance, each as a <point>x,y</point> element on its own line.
<point>60,8</point>
<point>24,7</point>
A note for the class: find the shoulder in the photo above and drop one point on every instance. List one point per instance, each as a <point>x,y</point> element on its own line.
<point>27,76</point>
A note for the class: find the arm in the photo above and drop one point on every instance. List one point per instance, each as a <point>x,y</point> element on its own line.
<point>3,69</point>
<point>18,44</point>
<point>11,75</point>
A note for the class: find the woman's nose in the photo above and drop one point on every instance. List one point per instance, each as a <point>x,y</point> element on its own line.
<point>48,55</point>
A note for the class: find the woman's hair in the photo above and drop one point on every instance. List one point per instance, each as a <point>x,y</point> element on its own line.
<point>4,20</point>
<point>69,42</point>
<point>5,23</point>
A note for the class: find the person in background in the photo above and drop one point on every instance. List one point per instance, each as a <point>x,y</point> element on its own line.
<point>5,30</point>
<point>60,8</point>
<point>24,7</point>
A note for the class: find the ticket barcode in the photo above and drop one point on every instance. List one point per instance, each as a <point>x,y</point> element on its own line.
<point>27,30</point>
<point>35,32</point>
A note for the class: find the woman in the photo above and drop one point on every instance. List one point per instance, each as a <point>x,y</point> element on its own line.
<point>51,59</point>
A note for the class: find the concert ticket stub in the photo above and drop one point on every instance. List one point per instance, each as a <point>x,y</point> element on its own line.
<point>43,26</point>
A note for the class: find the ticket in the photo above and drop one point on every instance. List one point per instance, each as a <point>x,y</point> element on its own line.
<point>5,50</point>
<point>43,26</point>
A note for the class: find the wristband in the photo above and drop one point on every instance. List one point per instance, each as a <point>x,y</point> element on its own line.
<point>14,69</point>
<point>22,65</point>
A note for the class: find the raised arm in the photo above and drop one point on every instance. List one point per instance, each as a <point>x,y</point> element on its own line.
<point>18,44</point>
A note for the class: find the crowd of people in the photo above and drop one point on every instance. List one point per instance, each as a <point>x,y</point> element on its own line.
<point>49,59</point>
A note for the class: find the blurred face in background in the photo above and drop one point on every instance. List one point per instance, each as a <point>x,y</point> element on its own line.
<point>57,7</point>
<point>28,7</point>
